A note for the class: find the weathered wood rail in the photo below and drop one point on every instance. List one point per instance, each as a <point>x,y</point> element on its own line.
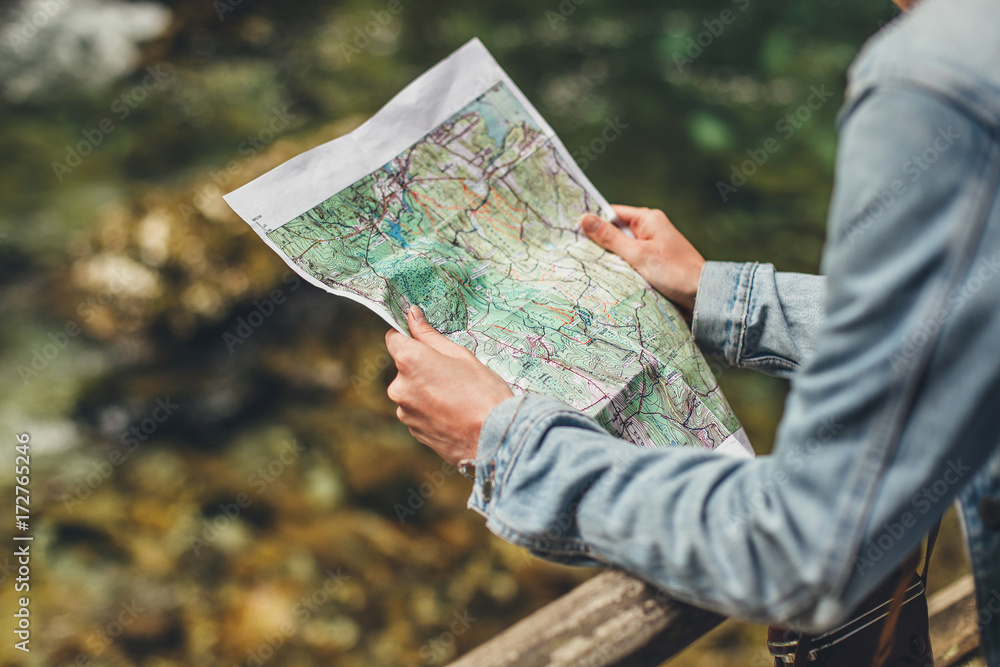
<point>611,619</point>
<point>615,619</point>
<point>954,623</point>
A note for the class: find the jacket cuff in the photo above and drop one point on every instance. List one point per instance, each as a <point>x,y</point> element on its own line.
<point>720,307</point>
<point>492,435</point>
<point>511,427</point>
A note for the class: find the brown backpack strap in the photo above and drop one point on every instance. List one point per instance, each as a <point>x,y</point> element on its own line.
<point>931,539</point>
<point>802,651</point>
<point>901,603</point>
<point>888,636</point>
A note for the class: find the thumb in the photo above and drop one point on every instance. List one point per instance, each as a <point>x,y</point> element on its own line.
<point>609,237</point>
<point>423,331</point>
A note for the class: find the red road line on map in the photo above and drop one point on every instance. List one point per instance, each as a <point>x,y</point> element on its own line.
<point>430,217</point>
<point>574,339</point>
<point>519,210</point>
<point>435,202</point>
<point>357,231</point>
<point>556,310</point>
<point>549,360</point>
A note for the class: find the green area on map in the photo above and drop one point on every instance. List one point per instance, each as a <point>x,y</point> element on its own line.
<point>477,223</point>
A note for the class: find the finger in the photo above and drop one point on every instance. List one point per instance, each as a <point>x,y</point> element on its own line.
<point>644,222</point>
<point>610,237</point>
<point>397,344</point>
<point>390,339</point>
<point>635,218</point>
<point>423,332</point>
<point>395,391</point>
<point>628,213</point>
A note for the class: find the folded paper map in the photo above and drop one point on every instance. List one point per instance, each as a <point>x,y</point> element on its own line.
<point>458,197</point>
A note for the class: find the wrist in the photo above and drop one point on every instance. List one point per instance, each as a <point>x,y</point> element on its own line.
<point>686,288</point>
<point>691,294</point>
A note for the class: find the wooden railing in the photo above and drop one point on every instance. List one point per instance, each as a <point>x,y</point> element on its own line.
<point>954,623</point>
<point>610,619</point>
<point>616,619</point>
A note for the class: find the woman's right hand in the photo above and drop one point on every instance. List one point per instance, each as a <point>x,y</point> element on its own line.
<point>658,252</point>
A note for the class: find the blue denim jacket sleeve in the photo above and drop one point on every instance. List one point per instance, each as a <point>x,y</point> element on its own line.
<point>889,415</point>
<point>753,316</point>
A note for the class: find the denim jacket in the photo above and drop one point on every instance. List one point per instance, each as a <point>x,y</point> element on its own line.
<point>894,360</point>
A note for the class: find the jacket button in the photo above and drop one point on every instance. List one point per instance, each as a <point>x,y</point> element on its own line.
<point>488,488</point>
<point>989,512</point>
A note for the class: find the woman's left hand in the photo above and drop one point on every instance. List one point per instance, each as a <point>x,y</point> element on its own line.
<point>443,392</point>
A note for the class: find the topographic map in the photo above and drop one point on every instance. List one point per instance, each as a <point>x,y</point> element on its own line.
<point>477,223</point>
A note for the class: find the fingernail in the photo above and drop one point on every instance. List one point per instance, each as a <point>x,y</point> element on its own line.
<point>591,223</point>
<point>417,315</point>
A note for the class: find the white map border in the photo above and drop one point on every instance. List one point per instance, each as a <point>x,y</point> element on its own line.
<point>309,179</point>
<point>289,190</point>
